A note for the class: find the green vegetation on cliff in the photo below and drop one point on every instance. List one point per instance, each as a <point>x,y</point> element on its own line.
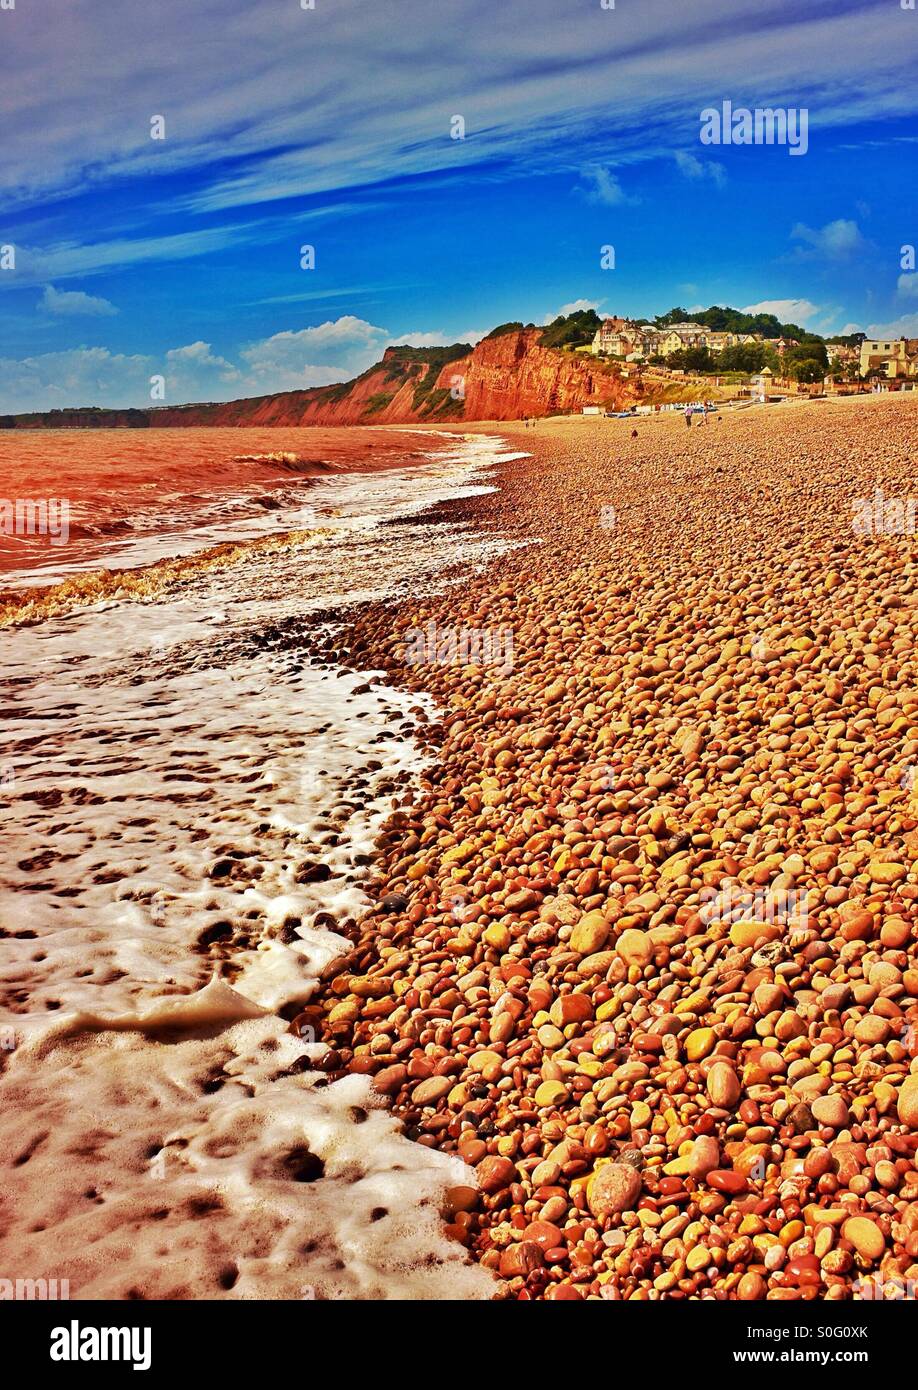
<point>574,330</point>
<point>503,329</point>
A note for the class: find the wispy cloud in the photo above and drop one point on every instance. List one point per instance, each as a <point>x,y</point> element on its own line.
<point>345,292</point>
<point>65,260</point>
<point>836,241</point>
<point>694,168</point>
<point>600,185</point>
<point>75,304</point>
<point>378,105</point>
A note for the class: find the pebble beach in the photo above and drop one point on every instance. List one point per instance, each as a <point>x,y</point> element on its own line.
<point>644,944</point>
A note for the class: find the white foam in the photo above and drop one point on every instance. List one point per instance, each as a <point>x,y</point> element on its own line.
<point>194,805</point>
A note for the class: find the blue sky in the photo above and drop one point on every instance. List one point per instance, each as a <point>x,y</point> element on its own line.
<point>287,126</point>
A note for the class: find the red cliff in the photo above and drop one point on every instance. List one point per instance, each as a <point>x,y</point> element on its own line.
<point>511,376</point>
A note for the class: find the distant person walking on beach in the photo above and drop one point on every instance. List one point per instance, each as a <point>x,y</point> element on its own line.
<point>688,416</point>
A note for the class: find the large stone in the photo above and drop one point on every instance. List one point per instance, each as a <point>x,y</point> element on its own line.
<point>747,934</point>
<point>495,1173</point>
<point>497,934</point>
<point>550,1093</point>
<point>519,1260</point>
<point>571,1008</point>
<point>614,1188</point>
<point>704,1156</point>
<point>866,1237</point>
<point>635,947</point>
<point>830,1110</point>
<point>699,1043</point>
<point>907,1106</point>
<point>590,934</point>
<point>432,1090</point>
<point>723,1086</point>
<point>391,1079</point>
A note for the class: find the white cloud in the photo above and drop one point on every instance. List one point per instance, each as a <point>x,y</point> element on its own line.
<point>907,286</point>
<point>694,168</point>
<point>79,376</point>
<point>904,327</point>
<point>75,303</point>
<point>835,241</point>
<point>604,187</point>
<point>787,310</point>
<point>96,376</point>
<point>333,351</point>
<point>289,361</point>
<point>195,372</point>
<point>435,339</point>
<point>576,306</point>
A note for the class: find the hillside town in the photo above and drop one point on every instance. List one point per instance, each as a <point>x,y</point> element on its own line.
<point>636,342</point>
<point>633,341</point>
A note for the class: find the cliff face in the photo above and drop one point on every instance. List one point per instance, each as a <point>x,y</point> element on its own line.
<point>503,378</point>
<point>511,376</point>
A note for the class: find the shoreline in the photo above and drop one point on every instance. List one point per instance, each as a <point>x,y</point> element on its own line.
<point>182,864</point>
<point>661,1102</point>
<point>25,603</point>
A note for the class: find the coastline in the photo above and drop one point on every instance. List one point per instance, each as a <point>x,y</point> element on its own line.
<point>644,952</point>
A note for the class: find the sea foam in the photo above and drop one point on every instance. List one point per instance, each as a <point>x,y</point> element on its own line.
<point>189,825</point>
